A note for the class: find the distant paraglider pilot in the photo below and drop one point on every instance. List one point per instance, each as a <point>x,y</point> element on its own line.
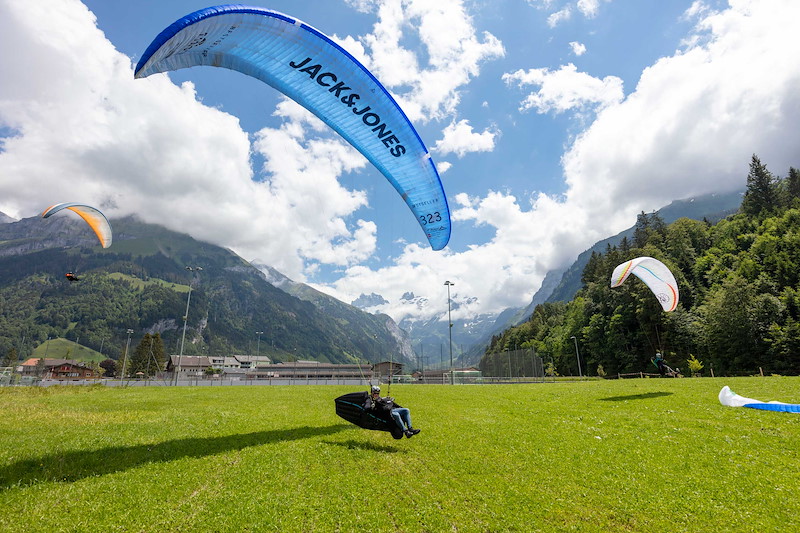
<point>660,364</point>
<point>384,407</point>
<point>664,369</point>
<point>71,276</point>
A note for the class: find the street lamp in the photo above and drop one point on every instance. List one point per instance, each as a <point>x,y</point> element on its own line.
<point>450,329</point>
<point>185,319</point>
<point>578,355</point>
<point>258,344</point>
<point>125,357</point>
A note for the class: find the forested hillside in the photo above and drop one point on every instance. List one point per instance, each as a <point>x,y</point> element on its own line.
<point>739,295</point>
<point>140,283</point>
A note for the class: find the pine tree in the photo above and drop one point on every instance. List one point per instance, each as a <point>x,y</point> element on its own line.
<point>793,184</point>
<point>640,230</point>
<point>140,355</point>
<point>10,359</point>
<point>157,354</point>
<point>762,190</point>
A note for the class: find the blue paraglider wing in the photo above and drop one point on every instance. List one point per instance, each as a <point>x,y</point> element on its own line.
<point>307,66</point>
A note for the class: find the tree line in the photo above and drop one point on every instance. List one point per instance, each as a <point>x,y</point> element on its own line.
<point>739,310</point>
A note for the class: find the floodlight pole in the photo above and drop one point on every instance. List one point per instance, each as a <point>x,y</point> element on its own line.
<point>125,357</point>
<point>185,320</point>
<point>578,356</point>
<point>450,329</point>
<point>258,344</point>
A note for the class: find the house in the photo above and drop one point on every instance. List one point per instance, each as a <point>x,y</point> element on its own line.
<point>460,375</point>
<point>229,364</point>
<point>60,369</point>
<point>311,370</point>
<point>191,365</point>
<point>382,369</point>
<point>253,362</point>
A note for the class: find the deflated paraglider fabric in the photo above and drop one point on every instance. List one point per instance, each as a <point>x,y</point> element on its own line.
<point>730,399</point>
<point>654,274</point>
<point>320,75</point>
<point>96,220</point>
<point>351,408</point>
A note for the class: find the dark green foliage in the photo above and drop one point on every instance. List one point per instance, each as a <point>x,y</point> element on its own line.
<point>10,358</point>
<point>148,357</point>
<point>739,283</point>
<point>109,368</point>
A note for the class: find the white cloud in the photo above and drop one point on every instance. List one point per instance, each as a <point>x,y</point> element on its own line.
<point>529,240</point>
<point>426,89</point>
<point>689,128</point>
<point>443,166</point>
<point>577,48</point>
<point>460,139</point>
<point>88,130</point>
<point>588,8</point>
<point>559,16</point>
<point>698,9</point>
<point>565,89</point>
<point>695,118</point>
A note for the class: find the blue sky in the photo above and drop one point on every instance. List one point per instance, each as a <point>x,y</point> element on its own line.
<point>552,122</point>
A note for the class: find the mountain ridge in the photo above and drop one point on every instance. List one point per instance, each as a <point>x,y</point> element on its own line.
<point>140,283</point>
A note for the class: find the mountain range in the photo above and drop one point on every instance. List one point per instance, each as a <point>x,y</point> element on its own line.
<point>471,337</point>
<point>141,284</point>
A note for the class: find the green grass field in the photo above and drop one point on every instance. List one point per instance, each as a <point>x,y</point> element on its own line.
<point>644,455</point>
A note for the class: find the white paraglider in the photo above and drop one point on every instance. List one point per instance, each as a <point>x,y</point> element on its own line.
<point>654,274</point>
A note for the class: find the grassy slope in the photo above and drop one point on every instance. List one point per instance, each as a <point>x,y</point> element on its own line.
<point>635,455</point>
<point>58,348</point>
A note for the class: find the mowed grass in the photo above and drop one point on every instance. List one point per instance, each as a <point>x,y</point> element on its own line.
<point>632,455</point>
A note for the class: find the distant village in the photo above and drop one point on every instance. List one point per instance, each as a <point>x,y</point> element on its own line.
<point>234,368</point>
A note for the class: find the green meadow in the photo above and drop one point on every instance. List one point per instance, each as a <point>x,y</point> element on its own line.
<point>66,349</point>
<point>633,455</point>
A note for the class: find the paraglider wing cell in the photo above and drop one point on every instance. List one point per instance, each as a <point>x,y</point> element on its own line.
<point>654,274</point>
<point>310,68</point>
<point>96,220</point>
<point>351,408</point>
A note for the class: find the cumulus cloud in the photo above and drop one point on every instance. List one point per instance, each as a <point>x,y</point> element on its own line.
<point>577,48</point>
<point>696,117</point>
<point>563,10</point>
<point>86,129</point>
<point>688,128</point>
<point>559,16</point>
<point>565,89</point>
<point>426,88</point>
<point>460,139</point>
<point>529,240</point>
<point>588,8</point>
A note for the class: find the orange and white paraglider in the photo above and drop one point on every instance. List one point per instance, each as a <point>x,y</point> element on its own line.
<point>96,220</point>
